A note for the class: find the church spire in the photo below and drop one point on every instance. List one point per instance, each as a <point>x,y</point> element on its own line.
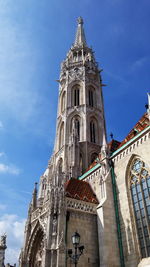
<point>80,35</point>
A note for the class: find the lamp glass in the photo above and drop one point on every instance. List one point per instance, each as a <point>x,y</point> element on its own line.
<point>76,239</point>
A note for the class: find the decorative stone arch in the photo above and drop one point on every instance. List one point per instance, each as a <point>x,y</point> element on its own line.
<point>71,86</point>
<point>138,187</point>
<point>63,101</point>
<point>61,135</point>
<point>59,123</point>
<point>35,249</point>
<point>71,117</point>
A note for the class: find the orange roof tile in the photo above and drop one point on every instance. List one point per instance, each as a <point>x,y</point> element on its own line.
<point>80,190</point>
<point>140,126</point>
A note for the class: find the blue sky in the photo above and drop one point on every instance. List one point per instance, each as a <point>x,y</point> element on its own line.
<point>35,37</point>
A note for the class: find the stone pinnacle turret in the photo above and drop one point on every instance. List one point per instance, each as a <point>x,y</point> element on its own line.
<point>80,39</point>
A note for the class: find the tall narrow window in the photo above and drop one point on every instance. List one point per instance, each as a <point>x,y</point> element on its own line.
<point>92,132</point>
<point>140,192</point>
<point>76,97</point>
<point>91,101</point>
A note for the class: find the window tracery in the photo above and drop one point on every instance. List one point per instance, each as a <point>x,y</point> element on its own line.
<point>140,192</point>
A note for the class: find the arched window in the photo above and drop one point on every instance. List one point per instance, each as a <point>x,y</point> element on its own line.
<point>91,100</point>
<point>63,102</point>
<point>61,136</point>
<point>75,56</point>
<point>140,192</point>
<point>92,132</point>
<point>91,96</point>
<point>76,96</point>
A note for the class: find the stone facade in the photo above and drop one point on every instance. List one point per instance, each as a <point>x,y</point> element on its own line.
<point>97,202</point>
<point>2,250</point>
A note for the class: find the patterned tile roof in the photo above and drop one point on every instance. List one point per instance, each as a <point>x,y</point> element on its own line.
<point>139,127</point>
<point>80,190</point>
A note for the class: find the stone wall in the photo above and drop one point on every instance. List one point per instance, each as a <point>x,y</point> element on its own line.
<point>86,225</point>
<point>139,148</point>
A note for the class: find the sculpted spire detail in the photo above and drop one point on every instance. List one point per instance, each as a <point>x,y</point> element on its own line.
<point>80,39</point>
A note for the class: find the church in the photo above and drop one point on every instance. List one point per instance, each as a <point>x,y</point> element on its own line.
<point>92,208</point>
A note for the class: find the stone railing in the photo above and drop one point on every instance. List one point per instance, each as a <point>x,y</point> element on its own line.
<point>81,205</point>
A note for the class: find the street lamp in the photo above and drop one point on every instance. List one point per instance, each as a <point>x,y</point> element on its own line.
<point>75,241</point>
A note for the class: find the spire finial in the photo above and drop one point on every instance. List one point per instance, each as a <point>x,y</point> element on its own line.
<point>80,35</point>
<point>80,20</point>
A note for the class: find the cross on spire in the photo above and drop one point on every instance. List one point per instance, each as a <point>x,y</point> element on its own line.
<point>80,35</point>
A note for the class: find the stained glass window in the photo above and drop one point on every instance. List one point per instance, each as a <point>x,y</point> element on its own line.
<point>140,192</point>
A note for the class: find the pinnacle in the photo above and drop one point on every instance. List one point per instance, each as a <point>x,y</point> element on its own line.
<point>80,35</point>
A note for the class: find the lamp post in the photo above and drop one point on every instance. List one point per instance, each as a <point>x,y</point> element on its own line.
<point>76,242</point>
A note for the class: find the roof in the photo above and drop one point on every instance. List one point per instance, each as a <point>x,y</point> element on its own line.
<point>139,127</point>
<point>80,190</point>
<point>113,145</point>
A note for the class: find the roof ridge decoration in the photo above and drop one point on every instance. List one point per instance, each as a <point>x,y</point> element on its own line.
<point>80,39</point>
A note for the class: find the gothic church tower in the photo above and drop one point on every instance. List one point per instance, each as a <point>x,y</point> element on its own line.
<point>80,120</point>
<point>64,203</point>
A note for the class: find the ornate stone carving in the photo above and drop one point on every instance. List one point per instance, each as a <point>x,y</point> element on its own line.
<point>76,74</point>
<point>39,254</point>
<point>43,222</point>
<point>81,206</point>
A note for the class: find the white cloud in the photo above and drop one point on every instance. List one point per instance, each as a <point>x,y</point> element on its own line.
<point>1,125</point>
<point>9,169</point>
<point>2,207</point>
<point>13,226</point>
